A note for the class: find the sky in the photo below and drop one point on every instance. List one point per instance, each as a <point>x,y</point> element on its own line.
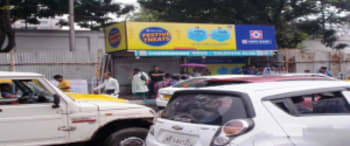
<point>132,2</point>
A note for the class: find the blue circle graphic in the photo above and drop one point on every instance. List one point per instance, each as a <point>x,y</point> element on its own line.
<point>155,36</point>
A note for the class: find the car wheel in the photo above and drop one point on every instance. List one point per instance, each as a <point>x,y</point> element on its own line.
<point>127,137</point>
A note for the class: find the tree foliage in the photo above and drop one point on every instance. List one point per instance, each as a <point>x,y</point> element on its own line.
<point>294,20</point>
<point>6,32</point>
<point>92,14</point>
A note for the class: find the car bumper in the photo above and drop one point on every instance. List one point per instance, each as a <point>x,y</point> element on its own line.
<point>161,102</point>
<point>151,141</point>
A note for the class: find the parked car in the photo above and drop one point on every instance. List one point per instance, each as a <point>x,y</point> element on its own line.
<point>208,81</point>
<point>287,113</point>
<point>164,94</point>
<point>34,112</point>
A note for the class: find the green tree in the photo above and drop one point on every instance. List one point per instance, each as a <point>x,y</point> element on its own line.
<point>145,15</point>
<point>290,17</point>
<point>5,28</point>
<point>93,14</point>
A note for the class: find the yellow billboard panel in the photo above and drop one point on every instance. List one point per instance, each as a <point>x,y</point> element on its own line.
<point>180,36</point>
<point>115,37</point>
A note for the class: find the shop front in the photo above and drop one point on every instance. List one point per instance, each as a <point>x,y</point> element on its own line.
<point>224,48</point>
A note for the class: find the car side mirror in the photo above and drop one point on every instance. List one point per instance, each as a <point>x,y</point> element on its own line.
<point>56,101</point>
<point>346,95</point>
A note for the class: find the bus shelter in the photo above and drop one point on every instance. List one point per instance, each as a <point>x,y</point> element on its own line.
<point>223,47</point>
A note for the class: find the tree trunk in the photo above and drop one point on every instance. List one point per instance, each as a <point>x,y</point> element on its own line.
<point>6,30</point>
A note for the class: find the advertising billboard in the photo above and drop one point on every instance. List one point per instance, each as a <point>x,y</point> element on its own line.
<point>255,37</point>
<point>159,36</point>
<point>115,37</point>
<point>180,36</point>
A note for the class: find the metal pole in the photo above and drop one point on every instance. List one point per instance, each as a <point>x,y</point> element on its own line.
<point>12,60</point>
<point>71,26</point>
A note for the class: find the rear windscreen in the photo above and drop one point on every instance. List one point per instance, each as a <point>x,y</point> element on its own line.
<point>208,109</point>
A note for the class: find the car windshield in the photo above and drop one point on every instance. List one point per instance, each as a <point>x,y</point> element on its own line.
<point>204,82</point>
<point>208,109</point>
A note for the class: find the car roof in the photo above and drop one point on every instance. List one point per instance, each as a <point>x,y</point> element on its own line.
<point>222,76</point>
<point>6,74</point>
<point>258,79</point>
<point>264,89</point>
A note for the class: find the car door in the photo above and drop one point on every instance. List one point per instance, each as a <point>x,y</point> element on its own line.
<point>31,123</point>
<point>319,123</point>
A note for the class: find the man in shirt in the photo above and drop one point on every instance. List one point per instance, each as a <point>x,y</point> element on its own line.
<point>63,84</point>
<point>324,70</point>
<point>156,76</point>
<point>6,91</point>
<point>110,85</point>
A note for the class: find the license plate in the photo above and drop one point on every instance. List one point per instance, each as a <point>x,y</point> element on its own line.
<point>166,96</point>
<point>178,139</point>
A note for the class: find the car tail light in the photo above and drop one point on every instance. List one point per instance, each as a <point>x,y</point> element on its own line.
<point>232,129</point>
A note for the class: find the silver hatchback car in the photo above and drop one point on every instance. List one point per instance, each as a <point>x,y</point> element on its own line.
<point>293,113</point>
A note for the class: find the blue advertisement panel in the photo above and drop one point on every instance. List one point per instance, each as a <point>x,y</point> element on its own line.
<point>255,37</point>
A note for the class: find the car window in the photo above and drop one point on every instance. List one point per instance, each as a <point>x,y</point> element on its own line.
<point>23,92</point>
<point>205,109</point>
<point>319,103</point>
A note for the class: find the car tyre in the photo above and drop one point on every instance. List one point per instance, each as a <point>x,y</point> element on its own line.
<point>127,137</point>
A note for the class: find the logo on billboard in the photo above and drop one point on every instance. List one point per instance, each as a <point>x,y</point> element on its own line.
<point>220,35</point>
<point>114,37</point>
<point>155,36</point>
<point>197,34</point>
<point>256,34</point>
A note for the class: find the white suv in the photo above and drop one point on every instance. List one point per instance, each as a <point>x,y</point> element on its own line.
<point>33,112</point>
<point>289,113</point>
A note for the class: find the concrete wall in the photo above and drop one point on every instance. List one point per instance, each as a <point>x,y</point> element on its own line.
<point>47,52</point>
<point>314,54</point>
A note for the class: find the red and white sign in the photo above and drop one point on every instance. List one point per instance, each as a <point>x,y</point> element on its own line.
<point>256,34</point>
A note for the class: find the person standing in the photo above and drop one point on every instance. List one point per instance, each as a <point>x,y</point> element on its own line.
<point>156,76</point>
<point>110,85</point>
<point>63,84</point>
<point>251,70</point>
<point>273,70</point>
<point>324,70</point>
<point>139,83</point>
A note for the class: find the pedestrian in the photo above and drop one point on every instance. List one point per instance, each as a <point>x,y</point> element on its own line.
<point>164,83</point>
<point>139,83</point>
<point>251,70</point>
<point>63,84</point>
<point>110,85</point>
<point>206,72</point>
<point>196,72</point>
<point>324,70</point>
<point>273,70</point>
<point>156,76</point>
